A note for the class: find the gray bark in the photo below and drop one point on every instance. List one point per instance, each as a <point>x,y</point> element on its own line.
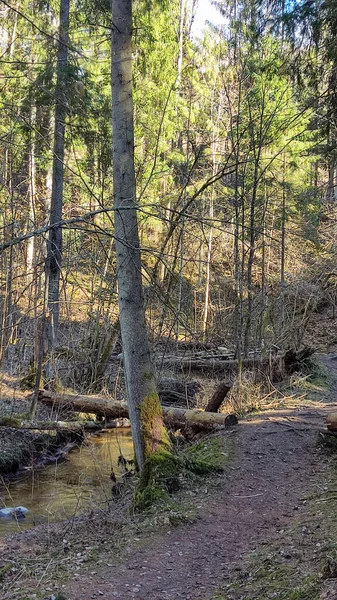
<point>139,373</point>
<point>54,244</point>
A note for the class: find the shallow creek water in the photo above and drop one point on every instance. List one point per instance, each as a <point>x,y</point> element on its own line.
<point>59,491</point>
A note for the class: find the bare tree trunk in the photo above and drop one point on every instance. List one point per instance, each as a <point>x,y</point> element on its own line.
<point>148,431</point>
<point>54,244</point>
<point>181,42</point>
<point>208,267</point>
<point>32,193</point>
<point>238,261</point>
<point>7,307</point>
<point>283,237</point>
<point>181,277</point>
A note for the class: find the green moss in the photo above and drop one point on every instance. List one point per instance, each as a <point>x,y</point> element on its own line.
<point>5,570</point>
<point>271,582</point>
<point>10,421</point>
<point>155,435</point>
<point>28,380</point>
<point>308,592</point>
<point>149,496</point>
<point>208,456</point>
<point>160,474</point>
<point>164,473</point>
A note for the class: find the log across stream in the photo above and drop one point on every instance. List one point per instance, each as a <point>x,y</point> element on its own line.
<point>62,490</point>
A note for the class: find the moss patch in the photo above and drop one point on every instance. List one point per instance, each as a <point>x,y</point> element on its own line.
<point>208,456</point>
<point>5,570</point>
<point>155,435</point>
<point>29,379</point>
<point>10,421</point>
<point>165,473</point>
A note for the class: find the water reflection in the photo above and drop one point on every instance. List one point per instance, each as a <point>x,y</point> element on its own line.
<point>60,491</point>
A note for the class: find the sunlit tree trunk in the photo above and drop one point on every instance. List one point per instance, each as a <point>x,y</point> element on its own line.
<point>148,432</point>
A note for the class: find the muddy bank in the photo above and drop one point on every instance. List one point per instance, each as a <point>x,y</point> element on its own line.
<point>19,448</point>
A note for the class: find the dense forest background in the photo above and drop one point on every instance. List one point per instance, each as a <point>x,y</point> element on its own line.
<point>236,174</point>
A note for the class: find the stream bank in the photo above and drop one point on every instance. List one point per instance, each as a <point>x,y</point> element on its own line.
<point>265,528</point>
<point>23,447</point>
<point>65,489</point>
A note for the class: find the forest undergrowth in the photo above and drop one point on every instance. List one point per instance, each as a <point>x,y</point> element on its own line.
<point>297,562</point>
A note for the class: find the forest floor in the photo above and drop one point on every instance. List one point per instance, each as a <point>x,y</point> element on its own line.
<point>264,529</point>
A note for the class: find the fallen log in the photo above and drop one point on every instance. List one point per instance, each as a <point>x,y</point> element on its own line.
<point>177,417</point>
<point>273,367</point>
<point>218,397</point>
<point>200,364</point>
<point>105,407</point>
<point>71,426</point>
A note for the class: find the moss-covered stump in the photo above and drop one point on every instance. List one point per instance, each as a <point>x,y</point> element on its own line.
<point>165,473</point>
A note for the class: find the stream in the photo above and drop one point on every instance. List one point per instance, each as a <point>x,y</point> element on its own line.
<point>60,491</point>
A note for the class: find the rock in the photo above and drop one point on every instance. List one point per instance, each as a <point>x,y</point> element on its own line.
<point>19,513</point>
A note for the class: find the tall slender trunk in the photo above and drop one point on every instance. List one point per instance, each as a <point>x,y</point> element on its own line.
<point>13,37</point>
<point>251,256</point>
<point>208,267</point>
<point>32,194</point>
<point>7,310</point>
<point>283,238</point>
<point>211,216</point>
<point>181,42</point>
<point>181,277</point>
<point>54,244</point>
<point>147,427</point>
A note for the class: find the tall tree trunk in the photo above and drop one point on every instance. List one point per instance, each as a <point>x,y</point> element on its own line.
<point>32,193</point>
<point>54,244</point>
<point>181,277</point>
<point>148,431</point>
<point>283,239</point>
<point>211,216</point>
<point>181,43</point>
<point>208,267</point>
<point>9,233</point>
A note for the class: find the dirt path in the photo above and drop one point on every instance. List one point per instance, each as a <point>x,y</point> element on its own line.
<point>276,468</point>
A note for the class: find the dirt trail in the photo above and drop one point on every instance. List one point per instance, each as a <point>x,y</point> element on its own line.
<point>275,469</point>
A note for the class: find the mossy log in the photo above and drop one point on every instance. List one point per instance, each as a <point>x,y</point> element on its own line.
<point>331,422</point>
<point>112,409</point>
